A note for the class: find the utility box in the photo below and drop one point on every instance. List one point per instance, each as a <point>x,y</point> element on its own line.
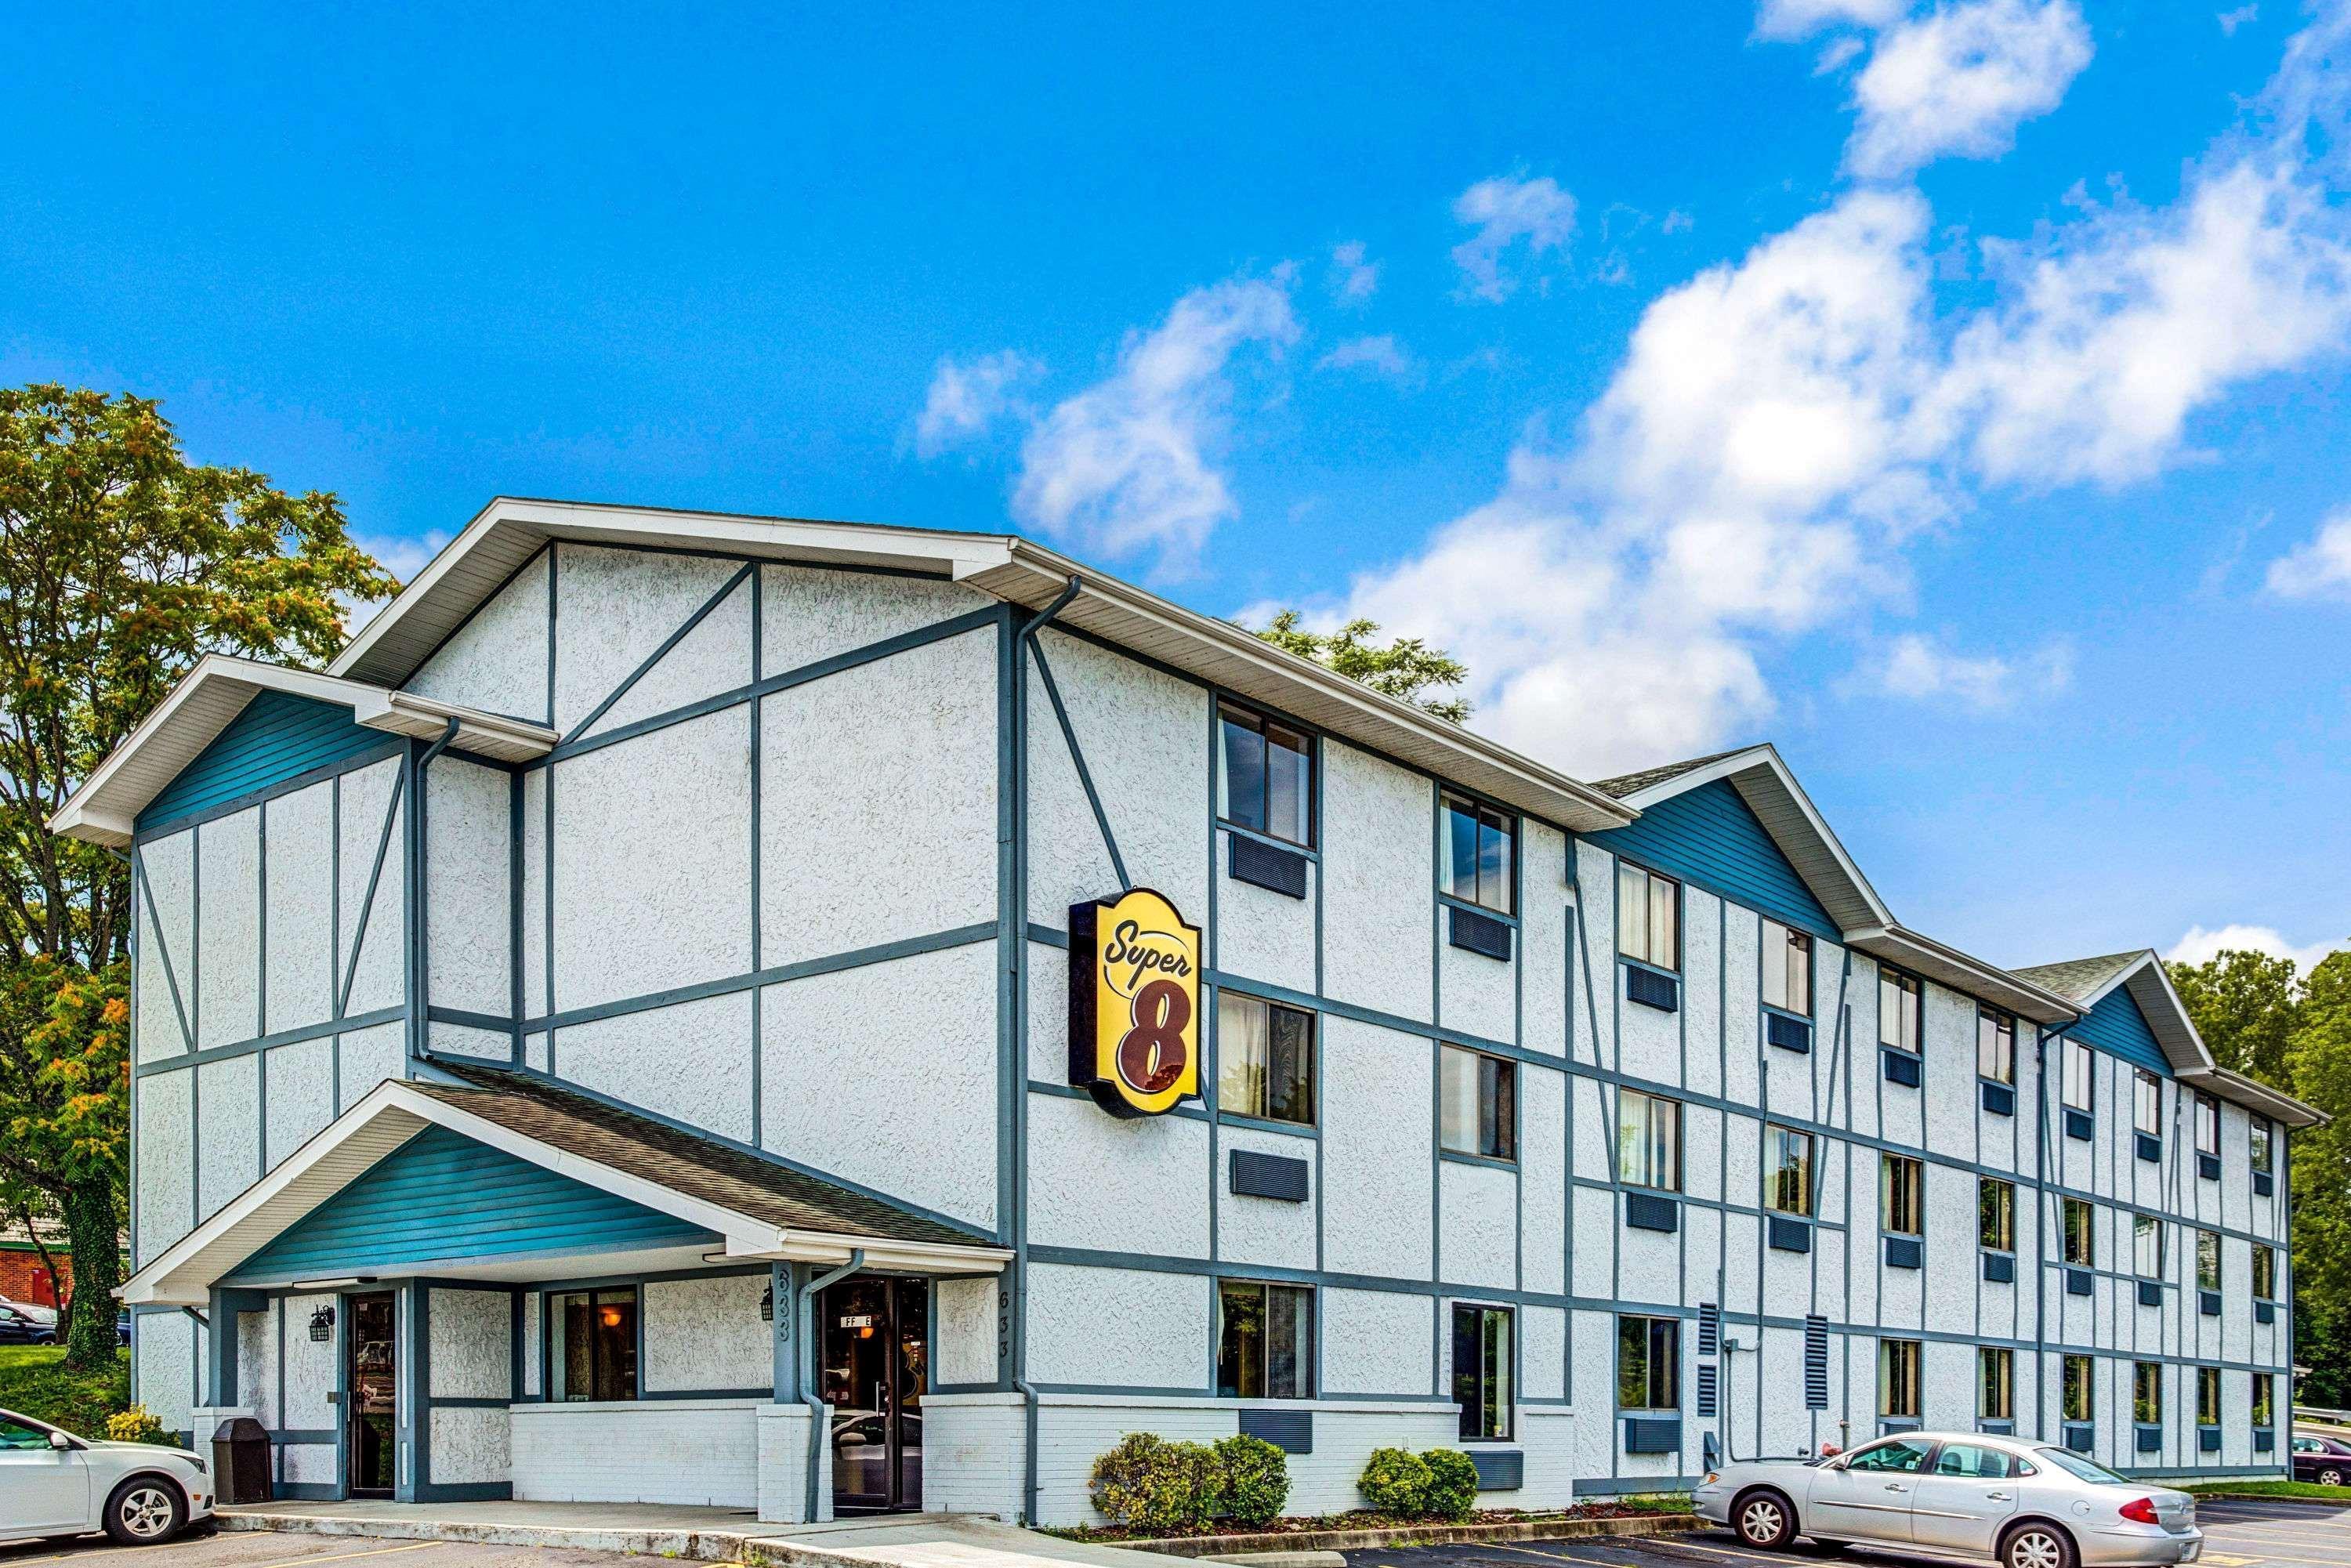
<point>241,1461</point>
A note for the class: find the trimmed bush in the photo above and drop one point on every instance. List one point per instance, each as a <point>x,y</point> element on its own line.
<point>1452,1484</point>
<point>1254,1478</point>
<point>137,1424</point>
<point>1149,1484</point>
<point>1395,1482</point>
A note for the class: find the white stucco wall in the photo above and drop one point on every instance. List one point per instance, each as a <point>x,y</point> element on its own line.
<point>468,926</point>
<point>497,660</point>
<point>1379,1131</point>
<point>228,940</point>
<point>1378,1342</point>
<point>368,1056</point>
<point>703,1051</point>
<point>166,945</point>
<point>963,1331</point>
<point>1379,877</point>
<point>706,1334</point>
<point>809,613</point>
<point>614,608</point>
<point>301,870</point>
<point>1152,1328</point>
<point>378,980</point>
<point>164,1177</point>
<point>1079,1154</point>
<point>228,1130</point>
<point>715,657</point>
<point>472,1334</point>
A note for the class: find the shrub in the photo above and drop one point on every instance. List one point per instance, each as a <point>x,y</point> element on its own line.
<point>136,1425</point>
<point>1396,1483</point>
<point>1149,1484</point>
<point>1254,1478</point>
<point>1452,1484</point>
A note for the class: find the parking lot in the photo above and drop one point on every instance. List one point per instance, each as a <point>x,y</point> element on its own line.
<point>265,1549</point>
<point>2279,1535</point>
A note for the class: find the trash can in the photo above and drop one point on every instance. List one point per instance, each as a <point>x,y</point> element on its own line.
<point>241,1461</point>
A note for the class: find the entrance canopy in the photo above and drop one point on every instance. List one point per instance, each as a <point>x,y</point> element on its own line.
<point>498,1174</point>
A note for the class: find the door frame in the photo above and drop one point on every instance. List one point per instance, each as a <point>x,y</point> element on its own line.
<point>895,1501</point>
<point>347,1379</point>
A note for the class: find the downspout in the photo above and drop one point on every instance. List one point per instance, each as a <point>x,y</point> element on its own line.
<point>804,1313</point>
<point>1028,630</point>
<point>2041,1238</point>
<point>419,1023</point>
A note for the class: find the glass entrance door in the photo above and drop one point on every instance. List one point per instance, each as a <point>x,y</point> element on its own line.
<point>876,1345</point>
<point>369,1336</point>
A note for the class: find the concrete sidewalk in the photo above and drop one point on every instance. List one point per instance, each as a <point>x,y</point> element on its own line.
<point>702,1534</point>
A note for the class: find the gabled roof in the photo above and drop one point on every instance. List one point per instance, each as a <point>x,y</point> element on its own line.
<point>760,1209</point>
<point>2083,980</point>
<point>2086,982</point>
<point>507,532</point>
<point>105,810</point>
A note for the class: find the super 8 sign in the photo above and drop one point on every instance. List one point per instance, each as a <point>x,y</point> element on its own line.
<point>1134,1003</point>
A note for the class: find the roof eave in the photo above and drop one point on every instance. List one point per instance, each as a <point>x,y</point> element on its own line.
<point>1960,971</point>
<point>2257,1096</point>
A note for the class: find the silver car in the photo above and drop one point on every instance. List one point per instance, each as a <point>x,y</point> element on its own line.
<point>55,1485</point>
<point>1962,1494</point>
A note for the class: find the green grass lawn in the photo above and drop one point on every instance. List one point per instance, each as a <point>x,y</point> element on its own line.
<point>34,1382</point>
<point>2341,1495</point>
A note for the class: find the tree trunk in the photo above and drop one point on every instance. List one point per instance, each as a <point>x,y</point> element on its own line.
<point>93,1236</point>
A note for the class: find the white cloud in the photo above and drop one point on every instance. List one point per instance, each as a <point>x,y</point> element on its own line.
<point>965,398</point>
<point>2198,945</point>
<point>1508,213</point>
<point>2231,20</point>
<point>1352,280</point>
<point>1918,667</point>
<point>1382,356</point>
<point>1126,464</point>
<point>2320,569</point>
<point>1803,18</point>
<point>1960,78</point>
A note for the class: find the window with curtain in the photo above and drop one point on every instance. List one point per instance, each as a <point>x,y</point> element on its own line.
<point>593,1352</point>
<point>2208,1125</point>
<point>1787,1170</point>
<point>1265,1060</point>
<point>1648,910</point>
<point>1996,1380</point>
<point>1995,1046</point>
<point>1481,846</point>
<point>2146,1102</point>
<point>1901,1195</point>
<point>2147,1247</point>
<point>1648,1363</point>
<point>1478,1110</point>
<point>1897,1377</point>
<point>2147,1391</point>
<point>1787,968</point>
<point>1649,1140</point>
<point>2075,1223</point>
<point>2265,1273</point>
<point>2207,1396</point>
<point>1268,775</point>
<point>1996,1214</point>
<point>2079,1078</point>
<point>2073,1389</point>
<point>2208,1259</point>
<point>1899,1001</point>
<point>1482,1372</point>
<point>1265,1341</point>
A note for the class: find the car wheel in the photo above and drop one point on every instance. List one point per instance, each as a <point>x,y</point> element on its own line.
<point>1764,1520</point>
<point>2037,1546</point>
<point>145,1510</point>
<point>2330,1476</point>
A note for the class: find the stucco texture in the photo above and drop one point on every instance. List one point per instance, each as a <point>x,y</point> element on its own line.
<point>378,980</point>
<point>1377,1342</point>
<point>852,1060</point>
<point>470,1445</point>
<point>1542,1186</point>
<point>164,1172</point>
<point>166,944</point>
<point>1475,994</point>
<point>653,862</point>
<point>1079,1154</point>
<point>228,1135</point>
<point>1593,1025</point>
<point>468,931</point>
<point>963,1329</point>
<point>613,609</point>
<point>497,660</point>
<point>1379,1135</point>
<point>530,1342</point>
<point>715,657</point>
<point>470,1332</point>
<point>300,971</point>
<point>536,1001</point>
<point>310,1366</point>
<point>256,1360</point>
<point>1126,1326</point>
<point>1269,1231</point>
<point>462,1040</point>
<point>1260,934</point>
<point>228,944</point>
<point>706,1334</point>
<point>1478,1243</point>
<point>369,1057</point>
<point>1376,921</point>
<point>1542,1354</point>
<point>166,1363</point>
<point>1542,938</point>
<point>809,614</point>
<point>301,1095</point>
<point>691,1062</point>
<point>1049,1013</point>
<point>878,811</point>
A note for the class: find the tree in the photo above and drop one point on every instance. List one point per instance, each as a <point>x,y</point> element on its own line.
<point>121,565</point>
<point>1406,668</point>
<point>2245,1007</point>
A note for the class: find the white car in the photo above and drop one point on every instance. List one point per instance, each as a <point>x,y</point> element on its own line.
<point>54,1484</point>
<point>1962,1494</point>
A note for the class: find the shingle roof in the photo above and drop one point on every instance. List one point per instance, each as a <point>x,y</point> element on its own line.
<point>1626,784</point>
<point>2078,977</point>
<point>672,1158</point>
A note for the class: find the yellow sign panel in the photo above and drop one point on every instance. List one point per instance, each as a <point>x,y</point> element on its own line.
<point>1134,1003</point>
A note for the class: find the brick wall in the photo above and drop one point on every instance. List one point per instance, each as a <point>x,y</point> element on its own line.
<point>23,1279</point>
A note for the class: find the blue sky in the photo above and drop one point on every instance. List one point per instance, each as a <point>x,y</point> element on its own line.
<point>1951,394</point>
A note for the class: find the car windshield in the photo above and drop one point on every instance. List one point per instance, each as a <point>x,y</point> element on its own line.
<point>2075,1465</point>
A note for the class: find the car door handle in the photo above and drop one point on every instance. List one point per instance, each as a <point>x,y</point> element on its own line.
<point>1997,1496</point>
<point>1896,1486</point>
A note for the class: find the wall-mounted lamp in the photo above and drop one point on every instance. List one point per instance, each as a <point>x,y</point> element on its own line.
<point>767,1305</point>
<point>322,1324</point>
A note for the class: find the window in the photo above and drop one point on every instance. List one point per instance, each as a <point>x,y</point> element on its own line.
<point>1996,1380</point>
<point>2257,1140</point>
<point>2207,1396</point>
<point>1787,1171</point>
<point>1995,1046</point>
<point>1649,1363</point>
<point>1902,1456</point>
<point>2147,1391</point>
<point>1481,1115</point>
<point>1897,1377</point>
<point>2090,1471</point>
<point>2264,1396</point>
<point>2077,1075</point>
<point>1976,1464</point>
<point>2080,1250</point>
<point>16,1436</point>
<point>1265,1341</point>
<point>1648,1141</point>
<point>2208,1259</point>
<point>1647,910</point>
<point>1996,1214</point>
<point>1898,1003</point>
<point>2265,1273</point>
<point>595,1345</point>
<point>1479,844</point>
<point>1269,783</point>
<point>2146,1102</point>
<point>1901,1195</point>
<point>1265,1060</point>
<point>1481,1370</point>
<point>1787,970</point>
<point>2208,1125</point>
<point>2147,1247</point>
<point>2073,1389</point>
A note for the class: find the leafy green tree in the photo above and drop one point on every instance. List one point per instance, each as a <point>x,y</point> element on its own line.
<point>2245,1007</point>
<point>120,564</point>
<point>1404,667</point>
<point>2320,1057</point>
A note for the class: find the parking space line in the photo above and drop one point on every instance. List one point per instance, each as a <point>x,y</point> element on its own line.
<point>1546,1556</point>
<point>1672,1541</point>
<point>345,1557</point>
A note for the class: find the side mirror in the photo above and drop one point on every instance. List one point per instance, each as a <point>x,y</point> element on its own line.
<point>59,1442</point>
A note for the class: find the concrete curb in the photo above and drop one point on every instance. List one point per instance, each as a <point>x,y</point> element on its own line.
<point>2271,1496</point>
<point>1247,1547</point>
<point>694,1545</point>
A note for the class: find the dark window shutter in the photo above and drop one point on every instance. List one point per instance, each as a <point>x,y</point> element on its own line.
<point>1816,1363</point>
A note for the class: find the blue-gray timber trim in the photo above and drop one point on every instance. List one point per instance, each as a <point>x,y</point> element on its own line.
<point>726,589</point>
<point>163,949</point>
<point>375,877</point>
<point>419,954</point>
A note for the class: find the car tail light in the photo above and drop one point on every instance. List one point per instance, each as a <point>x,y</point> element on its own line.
<point>2140,1509</point>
